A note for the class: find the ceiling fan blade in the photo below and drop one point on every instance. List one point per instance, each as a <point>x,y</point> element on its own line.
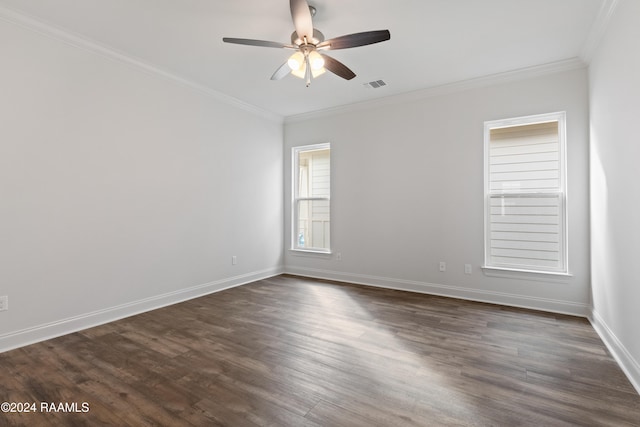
<point>261,43</point>
<point>281,72</point>
<point>356,39</point>
<point>301,16</point>
<point>337,67</point>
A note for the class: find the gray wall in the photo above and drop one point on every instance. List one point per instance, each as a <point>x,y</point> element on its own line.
<point>122,190</point>
<point>407,192</point>
<point>615,176</point>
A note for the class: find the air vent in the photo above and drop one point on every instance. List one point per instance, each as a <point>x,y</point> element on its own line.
<point>375,84</point>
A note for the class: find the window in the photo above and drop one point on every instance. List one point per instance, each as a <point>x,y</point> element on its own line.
<point>311,198</point>
<point>525,194</point>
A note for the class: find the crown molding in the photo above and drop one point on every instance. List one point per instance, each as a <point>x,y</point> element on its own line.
<point>447,89</point>
<point>598,29</point>
<point>76,40</point>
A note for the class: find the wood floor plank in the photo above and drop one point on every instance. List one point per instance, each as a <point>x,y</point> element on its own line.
<point>289,351</point>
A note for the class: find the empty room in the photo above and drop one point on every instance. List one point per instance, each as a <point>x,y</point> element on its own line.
<point>319,213</point>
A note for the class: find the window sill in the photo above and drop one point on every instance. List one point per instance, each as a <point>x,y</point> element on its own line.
<point>310,252</point>
<point>540,276</point>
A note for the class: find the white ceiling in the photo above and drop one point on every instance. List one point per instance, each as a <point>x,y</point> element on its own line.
<point>433,42</point>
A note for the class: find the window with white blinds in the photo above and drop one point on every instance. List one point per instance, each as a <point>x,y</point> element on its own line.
<point>525,194</point>
<point>311,198</point>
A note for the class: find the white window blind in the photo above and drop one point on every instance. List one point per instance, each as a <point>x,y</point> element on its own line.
<point>525,194</point>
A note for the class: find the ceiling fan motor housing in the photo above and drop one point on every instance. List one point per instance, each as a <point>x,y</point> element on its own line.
<point>318,37</point>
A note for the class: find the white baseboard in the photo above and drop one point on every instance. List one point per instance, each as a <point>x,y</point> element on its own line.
<point>625,360</point>
<point>535,303</point>
<point>61,327</point>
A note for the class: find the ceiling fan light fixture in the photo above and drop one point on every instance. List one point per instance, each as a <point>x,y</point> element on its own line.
<point>296,61</point>
<point>299,61</point>
<point>318,72</point>
<point>300,72</point>
<point>316,60</point>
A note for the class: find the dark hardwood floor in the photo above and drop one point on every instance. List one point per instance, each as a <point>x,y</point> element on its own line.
<point>289,351</point>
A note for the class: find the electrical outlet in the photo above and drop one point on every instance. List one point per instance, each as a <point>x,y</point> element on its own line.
<point>443,266</point>
<point>339,256</point>
<point>234,260</point>
<point>467,269</point>
<point>4,303</point>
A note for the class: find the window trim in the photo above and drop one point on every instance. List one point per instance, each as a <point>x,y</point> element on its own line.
<point>501,270</point>
<point>295,200</point>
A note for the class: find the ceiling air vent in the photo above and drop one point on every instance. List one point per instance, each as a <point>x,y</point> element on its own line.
<point>375,84</point>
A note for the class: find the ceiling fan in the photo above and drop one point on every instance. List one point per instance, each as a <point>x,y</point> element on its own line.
<point>308,61</point>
